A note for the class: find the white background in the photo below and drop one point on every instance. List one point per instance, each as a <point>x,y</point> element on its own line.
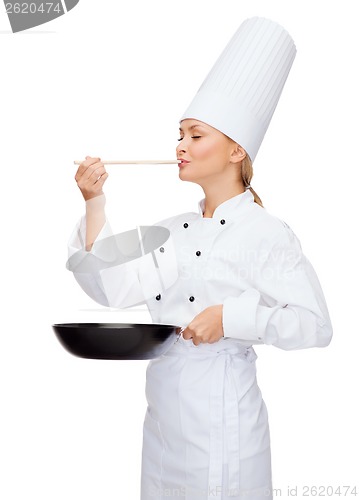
<point>111,79</point>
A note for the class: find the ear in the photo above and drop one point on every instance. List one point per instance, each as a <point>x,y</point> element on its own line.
<point>238,153</point>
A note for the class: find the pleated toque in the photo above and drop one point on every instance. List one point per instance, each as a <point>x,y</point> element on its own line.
<point>240,93</point>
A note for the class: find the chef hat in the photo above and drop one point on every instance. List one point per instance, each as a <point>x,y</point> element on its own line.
<point>239,95</point>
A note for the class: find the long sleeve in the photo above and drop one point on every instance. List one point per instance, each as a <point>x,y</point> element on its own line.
<point>113,274</point>
<point>285,305</point>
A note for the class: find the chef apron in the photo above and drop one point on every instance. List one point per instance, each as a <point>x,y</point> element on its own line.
<point>205,432</point>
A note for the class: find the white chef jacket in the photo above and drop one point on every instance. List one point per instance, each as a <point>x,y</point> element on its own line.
<point>206,432</point>
<point>243,257</point>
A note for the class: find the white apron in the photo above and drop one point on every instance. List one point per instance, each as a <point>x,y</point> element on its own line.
<point>205,432</point>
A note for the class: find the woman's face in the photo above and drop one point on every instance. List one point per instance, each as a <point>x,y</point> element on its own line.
<point>205,151</point>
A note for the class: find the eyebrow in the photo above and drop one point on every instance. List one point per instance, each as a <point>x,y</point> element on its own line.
<point>191,127</point>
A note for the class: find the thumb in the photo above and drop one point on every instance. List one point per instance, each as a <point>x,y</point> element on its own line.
<point>186,332</point>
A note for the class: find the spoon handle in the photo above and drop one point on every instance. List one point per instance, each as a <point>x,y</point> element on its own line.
<point>137,162</point>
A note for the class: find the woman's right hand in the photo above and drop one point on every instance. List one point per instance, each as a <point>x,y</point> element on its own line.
<point>90,177</point>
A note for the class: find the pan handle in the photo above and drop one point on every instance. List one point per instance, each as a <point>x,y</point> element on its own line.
<point>179,330</point>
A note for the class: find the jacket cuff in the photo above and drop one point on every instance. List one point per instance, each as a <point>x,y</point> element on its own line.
<point>239,316</point>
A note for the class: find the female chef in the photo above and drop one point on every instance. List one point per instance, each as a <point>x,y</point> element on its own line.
<point>241,279</point>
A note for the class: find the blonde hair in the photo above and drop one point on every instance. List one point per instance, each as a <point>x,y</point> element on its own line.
<point>247,174</point>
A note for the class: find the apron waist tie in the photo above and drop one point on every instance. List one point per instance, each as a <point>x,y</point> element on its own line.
<point>223,402</point>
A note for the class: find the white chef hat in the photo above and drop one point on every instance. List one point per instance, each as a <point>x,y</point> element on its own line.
<point>239,95</point>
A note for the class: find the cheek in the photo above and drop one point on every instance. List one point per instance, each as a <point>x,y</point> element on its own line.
<point>204,149</point>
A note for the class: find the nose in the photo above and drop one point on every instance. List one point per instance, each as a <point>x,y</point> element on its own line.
<point>181,147</point>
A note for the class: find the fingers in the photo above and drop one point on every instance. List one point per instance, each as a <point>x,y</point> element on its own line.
<point>186,333</point>
<point>91,176</point>
<point>87,167</point>
<point>94,172</point>
<point>190,334</point>
<point>101,180</point>
<point>84,165</point>
<point>201,335</point>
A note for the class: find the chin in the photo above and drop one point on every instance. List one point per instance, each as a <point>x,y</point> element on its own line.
<point>187,178</point>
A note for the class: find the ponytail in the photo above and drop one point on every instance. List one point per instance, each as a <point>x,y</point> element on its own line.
<point>247,174</point>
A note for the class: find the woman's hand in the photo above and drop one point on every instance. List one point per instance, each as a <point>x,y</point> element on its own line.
<point>206,326</point>
<point>90,177</point>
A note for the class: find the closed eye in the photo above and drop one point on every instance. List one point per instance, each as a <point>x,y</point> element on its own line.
<point>193,137</point>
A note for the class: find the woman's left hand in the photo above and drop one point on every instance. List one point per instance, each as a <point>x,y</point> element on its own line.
<point>206,326</point>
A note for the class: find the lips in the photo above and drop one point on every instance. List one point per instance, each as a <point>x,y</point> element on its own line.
<point>183,162</point>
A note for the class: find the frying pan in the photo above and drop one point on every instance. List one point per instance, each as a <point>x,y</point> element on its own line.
<point>117,340</point>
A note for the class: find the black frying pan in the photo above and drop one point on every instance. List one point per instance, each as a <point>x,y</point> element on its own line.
<point>117,340</point>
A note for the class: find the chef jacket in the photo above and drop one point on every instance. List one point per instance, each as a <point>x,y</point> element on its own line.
<point>242,257</point>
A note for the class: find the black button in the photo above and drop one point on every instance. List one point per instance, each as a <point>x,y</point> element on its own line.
<point>191,298</point>
<point>162,249</point>
<point>158,297</point>
<point>198,253</point>
<point>223,221</point>
<point>185,224</point>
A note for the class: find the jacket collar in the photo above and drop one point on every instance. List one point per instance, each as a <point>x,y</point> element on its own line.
<point>229,207</point>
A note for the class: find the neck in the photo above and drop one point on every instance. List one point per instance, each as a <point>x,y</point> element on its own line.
<point>214,197</point>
